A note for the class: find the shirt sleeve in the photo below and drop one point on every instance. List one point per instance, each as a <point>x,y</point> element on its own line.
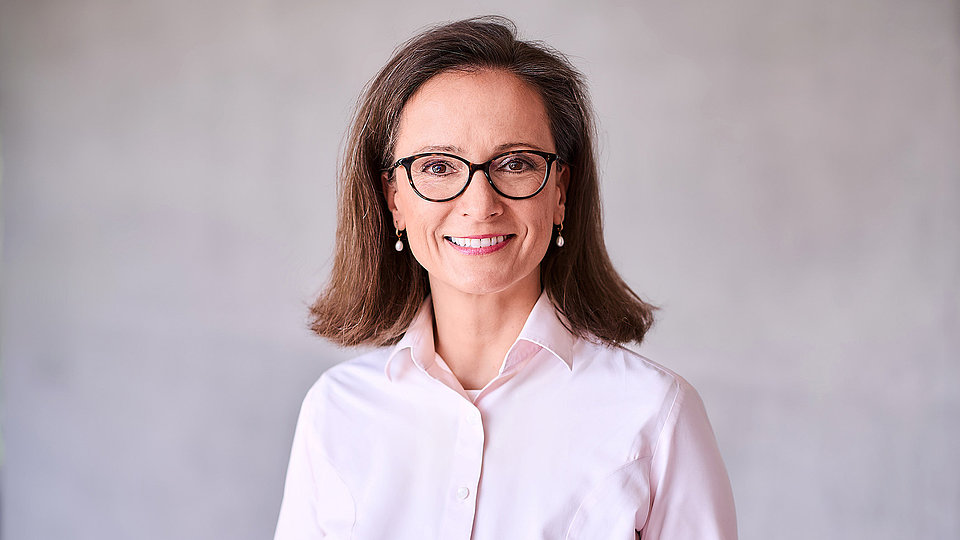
<point>690,490</point>
<point>316,502</point>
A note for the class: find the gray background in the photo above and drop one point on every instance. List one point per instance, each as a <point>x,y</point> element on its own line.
<point>782,177</point>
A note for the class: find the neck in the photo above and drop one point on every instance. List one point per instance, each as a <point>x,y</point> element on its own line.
<point>472,333</point>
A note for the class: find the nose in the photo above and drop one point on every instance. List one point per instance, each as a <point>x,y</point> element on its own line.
<point>480,201</point>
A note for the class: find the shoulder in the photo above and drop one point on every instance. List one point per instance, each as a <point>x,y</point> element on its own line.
<point>349,379</point>
<point>636,378</point>
<point>625,363</point>
<point>368,365</point>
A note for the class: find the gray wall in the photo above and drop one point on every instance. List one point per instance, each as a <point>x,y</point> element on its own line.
<point>782,177</point>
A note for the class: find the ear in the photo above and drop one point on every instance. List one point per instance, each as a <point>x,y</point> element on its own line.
<point>563,180</point>
<point>390,194</point>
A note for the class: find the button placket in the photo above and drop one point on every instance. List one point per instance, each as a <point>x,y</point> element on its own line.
<point>465,475</point>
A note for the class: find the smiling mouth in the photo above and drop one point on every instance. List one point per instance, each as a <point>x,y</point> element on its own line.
<point>487,241</point>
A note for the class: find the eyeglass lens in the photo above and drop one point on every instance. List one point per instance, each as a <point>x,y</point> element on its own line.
<point>438,176</point>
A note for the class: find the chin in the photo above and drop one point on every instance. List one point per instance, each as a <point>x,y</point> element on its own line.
<point>488,283</point>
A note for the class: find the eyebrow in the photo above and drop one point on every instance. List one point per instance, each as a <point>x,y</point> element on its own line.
<point>510,146</point>
<point>499,148</point>
<point>440,148</point>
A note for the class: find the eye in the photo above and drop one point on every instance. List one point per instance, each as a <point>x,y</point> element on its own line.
<point>516,164</point>
<point>435,166</point>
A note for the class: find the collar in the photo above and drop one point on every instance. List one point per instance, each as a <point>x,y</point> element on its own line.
<point>544,329</point>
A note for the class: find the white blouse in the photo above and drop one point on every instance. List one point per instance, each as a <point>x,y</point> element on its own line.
<point>571,440</point>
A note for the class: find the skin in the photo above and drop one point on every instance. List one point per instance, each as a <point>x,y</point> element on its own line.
<point>480,301</point>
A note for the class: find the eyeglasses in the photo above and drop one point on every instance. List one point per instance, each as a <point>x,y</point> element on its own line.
<point>440,177</point>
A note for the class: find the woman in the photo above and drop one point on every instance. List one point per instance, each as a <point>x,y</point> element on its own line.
<point>501,404</point>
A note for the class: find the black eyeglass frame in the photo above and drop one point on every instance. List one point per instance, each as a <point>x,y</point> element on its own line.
<point>551,158</point>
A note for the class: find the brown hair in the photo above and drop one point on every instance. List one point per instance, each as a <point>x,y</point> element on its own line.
<point>374,291</point>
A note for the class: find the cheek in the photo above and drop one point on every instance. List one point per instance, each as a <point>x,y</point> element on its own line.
<point>421,221</point>
<point>542,219</point>
<point>408,206</point>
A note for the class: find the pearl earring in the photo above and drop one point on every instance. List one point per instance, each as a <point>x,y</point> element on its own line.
<point>560,235</point>
<point>399,245</point>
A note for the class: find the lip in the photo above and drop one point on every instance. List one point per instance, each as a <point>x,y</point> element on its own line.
<point>480,250</point>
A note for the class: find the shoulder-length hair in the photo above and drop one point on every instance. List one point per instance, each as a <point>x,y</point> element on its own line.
<point>375,291</point>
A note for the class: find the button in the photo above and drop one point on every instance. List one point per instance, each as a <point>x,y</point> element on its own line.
<point>473,419</point>
<point>463,492</point>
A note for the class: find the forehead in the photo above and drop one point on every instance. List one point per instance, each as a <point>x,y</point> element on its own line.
<point>474,112</point>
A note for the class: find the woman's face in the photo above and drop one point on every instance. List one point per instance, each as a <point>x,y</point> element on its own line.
<point>477,115</point>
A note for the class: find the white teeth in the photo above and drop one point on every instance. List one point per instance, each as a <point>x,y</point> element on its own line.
<point>477,242</point>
